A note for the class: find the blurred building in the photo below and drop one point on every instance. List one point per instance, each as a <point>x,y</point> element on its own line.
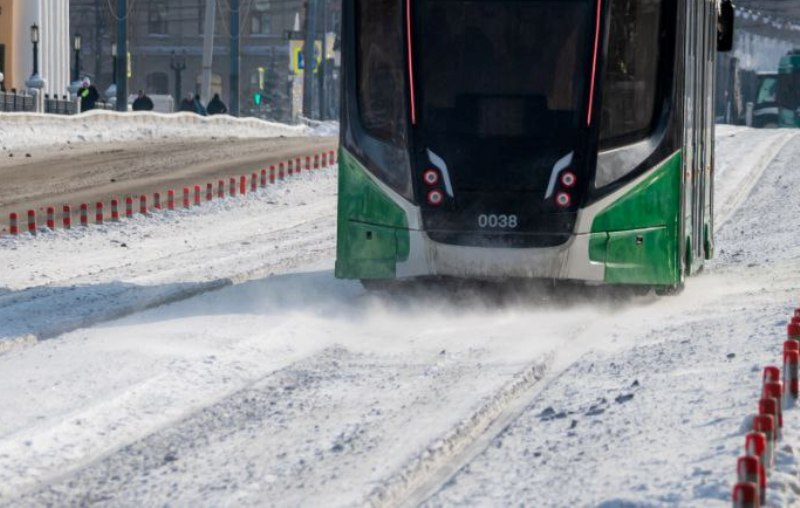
<point>51,17</point>
<point>166,48</point>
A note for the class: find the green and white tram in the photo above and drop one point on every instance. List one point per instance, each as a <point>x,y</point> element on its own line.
<point>548,139</point>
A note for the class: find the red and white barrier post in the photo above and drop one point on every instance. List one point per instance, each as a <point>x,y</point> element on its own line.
<point>243,185</point>
<point>298,166</point>
<point>170,199</point>
<point>263,178</point>
<point>272,174</point>
<point>290,167</point>
<point>143,204</point>
<point>157,200</point>
<point>254,182</point>
<point>232,189</point>
<point>84,215</point>
<point>793,331</point>
<point>197,193</point>
<point>281,171</point>
<point>766,425</point>
<point>51,218</point>
<point>186,198</point>
<point>115,210</point>
<point>13,223</point>
<point>129,207</point>
<point>750,470</point>
<point>316,161</point>
<point>324,159</point>
<point>32,222</point>
<point>221,189</point>
<point>209,191</point>
<point>308,163</point>
<point>66,217</point>
<point>332,157</point>
<point>755,444</point>
<point>775,390</point>
<point>791,372</point>
<point>98,213</point>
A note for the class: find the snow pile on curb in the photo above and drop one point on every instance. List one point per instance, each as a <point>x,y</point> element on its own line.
<point>29,130</point>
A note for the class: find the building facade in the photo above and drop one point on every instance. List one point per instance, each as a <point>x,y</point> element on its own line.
<point>16,47</point>
<point>166,48</point>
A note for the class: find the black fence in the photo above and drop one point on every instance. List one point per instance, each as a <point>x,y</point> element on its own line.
<point>13,101</point>
<point>56,106</point>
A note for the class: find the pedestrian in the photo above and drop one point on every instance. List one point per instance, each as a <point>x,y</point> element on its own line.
<point>143,102</point>
<point>88,95</point>
<point>216,106</point>
<point>198,105</point>
<point>187,104</point>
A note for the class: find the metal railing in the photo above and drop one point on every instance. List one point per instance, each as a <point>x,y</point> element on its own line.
<point>13,101</point>
<point>56,106</point>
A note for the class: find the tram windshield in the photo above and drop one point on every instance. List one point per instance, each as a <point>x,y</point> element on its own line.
<point>502,74</point>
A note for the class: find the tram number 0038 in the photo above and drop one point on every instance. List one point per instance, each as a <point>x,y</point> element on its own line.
<point>492,221</point>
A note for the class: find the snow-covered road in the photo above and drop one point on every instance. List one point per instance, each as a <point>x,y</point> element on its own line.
<point>287,387</point>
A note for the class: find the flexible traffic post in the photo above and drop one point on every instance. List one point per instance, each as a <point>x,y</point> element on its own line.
<point>755,444</point>
<point>115,210</point>
<point>769,406</point>
<point>66,217</point>
<point>157,200</point>
<point>197,195</point>
<point>32,222</point>
<point>170,199</point>
<point>209,191</point>
<point>272,174</point>
<point>791,372</point>
<point>793,332</point>
<point>13,223</point>
<point>84,215</point>
<point>775,390</point>
<point>316,161</point>
<point>324,160</point>
<point>308,163</point>
<point>186,198</point>
<point>221,189</point>
<point>745,495</point>
<point>51,218</point>
<point>254,182</point>
<point>290,167</point>
<point>98,213</point>
<point>281,171</point>
<point>263,178</point>
<point>749,469</point>
<point>143,204</point>
<point>771,373</point>
<point>232,189</point>
<point>766,425</point>
<point>298,167</point>
<point>129,207</point>
<point>332,157</point>
<point>242,185</point>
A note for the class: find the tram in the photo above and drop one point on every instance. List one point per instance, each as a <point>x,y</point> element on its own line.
<point>788,93</point>
<point>544,139</point>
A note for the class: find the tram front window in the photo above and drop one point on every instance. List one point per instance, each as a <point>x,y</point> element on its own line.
<point>502,85</point>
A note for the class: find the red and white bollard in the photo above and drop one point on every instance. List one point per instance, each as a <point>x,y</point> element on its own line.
<point>281,171</point>
<point>791,372</point>
<point>98,213</point>
<point>232,187</point>
<point>157,200</point>
<point>115,210</point>
<point>770,406</point>
<point>170,199</point>
<point>316,161</point>
<point>324,160</point>
<point>186,198</point>
<point>755,444</point>
<point>263,178</point>
<point>775,390</point>
<point>332,157</point>
<point>793,332</point>
<point>129,207</point>
<point>308,163</point>
<point>197,195</point>
<point>745,495</point>
<point>66,217</point>
<point>84,215</point>
<point>766,425</point>
<point>771,373</point>
<point>750,469</point>
<point>221,189</point>
<point>242,185</point>
<point>209,191</point>
<point>51,218</point>
<point>254,182</point>
<point>13,223</point>
<point>32,222</point>
<point>143,205</point>
<point>272,174</point>
<point>298,167</point>
<point>290,167</point>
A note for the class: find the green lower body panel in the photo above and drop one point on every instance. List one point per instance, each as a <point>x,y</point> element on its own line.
<point>641,256</point>
<point>372,252</point>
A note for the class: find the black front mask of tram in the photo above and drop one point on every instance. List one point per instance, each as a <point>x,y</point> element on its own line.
<point>501,96</point>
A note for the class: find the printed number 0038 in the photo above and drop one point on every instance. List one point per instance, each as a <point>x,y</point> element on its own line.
<point>498,221</point>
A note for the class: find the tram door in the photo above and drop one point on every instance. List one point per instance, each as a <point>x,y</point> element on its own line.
<point>689,124</point>
<point>700,132</point>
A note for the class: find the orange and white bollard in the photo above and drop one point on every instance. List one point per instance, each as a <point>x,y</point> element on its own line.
<point>324,159</point>
<point>51,218</point>
<point>66,217</point>
<point>32,222</point>
<point>98,213</point>
<point>316,161</point>
<point>793,332</point>
<point>115,210</point>
<point>84,215</point>
<point>771,373</point>
<point>13,223</point>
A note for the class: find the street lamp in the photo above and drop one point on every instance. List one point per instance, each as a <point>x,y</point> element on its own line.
<point>35,41</point>
<point>178,64</point>
<point>76,45</point>
<point>35,83</point>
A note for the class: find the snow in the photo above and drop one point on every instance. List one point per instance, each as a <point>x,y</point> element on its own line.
<point>267,379</point>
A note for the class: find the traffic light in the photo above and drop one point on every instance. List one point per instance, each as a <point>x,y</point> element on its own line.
<point>258,98</point>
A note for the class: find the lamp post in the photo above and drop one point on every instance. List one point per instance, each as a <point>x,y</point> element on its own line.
<point>76,45</point>
<point>178,64</point>
<point>111,92</point>
<point>35,83</point>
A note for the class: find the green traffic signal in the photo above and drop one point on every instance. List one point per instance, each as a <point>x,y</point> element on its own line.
<point>257,98</point>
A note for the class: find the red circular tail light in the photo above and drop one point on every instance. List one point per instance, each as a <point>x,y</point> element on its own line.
<point>568,179</point>
<point>435,197</point>
<point>431,176</point>
<point>563,200</point>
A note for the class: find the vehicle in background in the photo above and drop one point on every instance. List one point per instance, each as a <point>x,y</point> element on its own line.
<point>788,93</point>
<point>765,109</point>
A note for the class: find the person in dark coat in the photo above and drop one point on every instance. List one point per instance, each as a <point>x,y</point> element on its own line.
<point>143,102</point>
<point>88,94</point>
<point>187,104</point>
<point>216,106</point>
<point>198,106</point>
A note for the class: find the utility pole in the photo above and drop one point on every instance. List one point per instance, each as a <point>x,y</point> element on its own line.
<point>234,85</point>
<point>208,49</point>
<point>122,55</point>
<point>98,39</point>
<point>309,61</point>
<point>323,71</point>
